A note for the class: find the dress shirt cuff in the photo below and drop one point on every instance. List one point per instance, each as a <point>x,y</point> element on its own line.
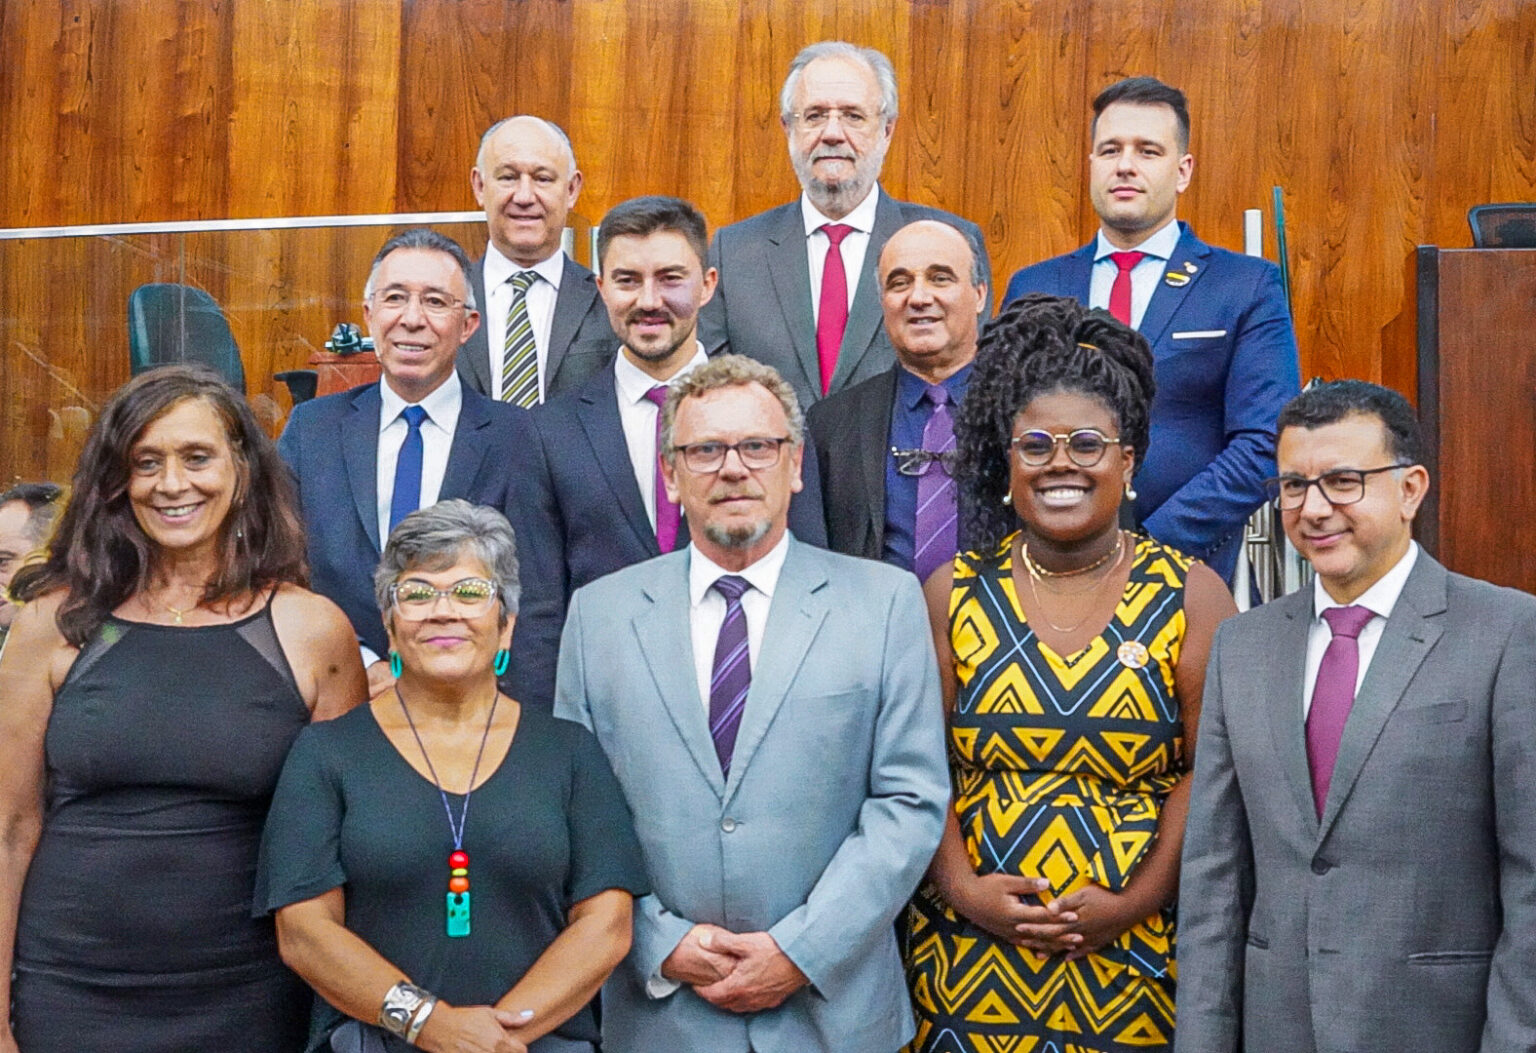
<point>658,986</point>
<point>369,657</point>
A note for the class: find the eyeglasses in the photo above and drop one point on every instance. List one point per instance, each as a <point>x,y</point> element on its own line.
<point>1342,486</point>
<point>756,454</point>
<point>395,301</point>
<point>416,600</point>
<point>817,117</point>
<point>1085,446</point>
<point>917,462</point>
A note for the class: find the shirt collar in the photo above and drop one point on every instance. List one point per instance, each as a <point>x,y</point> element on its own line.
<point>633,382</point>
<point>910,387</point>
<point>762,575</point>
<point>442,405</point>
<point>1380,598</point>
<point>1159,245</point>
<point>862,218</point>
<point>498,269</point>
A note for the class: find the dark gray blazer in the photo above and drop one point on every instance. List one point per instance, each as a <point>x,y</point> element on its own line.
<point>581,340</point>
<point>849,433</point>
<point>1406,918</point>
<point>762,306</point>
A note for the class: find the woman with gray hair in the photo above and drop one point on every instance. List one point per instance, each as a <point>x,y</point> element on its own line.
<point>419,920</point>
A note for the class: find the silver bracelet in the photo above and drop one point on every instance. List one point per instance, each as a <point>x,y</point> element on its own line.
<point>402,1008</point>
<point>419,1021</point>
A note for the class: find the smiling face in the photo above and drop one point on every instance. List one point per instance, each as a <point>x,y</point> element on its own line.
<point>931,308</point>
<point>15,543</point>
<point>653,287</point>
<point>447,646</point>
<point>418,349</point>
<point>838,165</point>
<point>527,184</point>
<point>1137,170</point>
<point>184,476</point>
<point>1060,500</point>
<point>1350,546</point>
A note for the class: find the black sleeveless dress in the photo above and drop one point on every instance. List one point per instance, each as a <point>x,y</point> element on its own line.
<point>135,933</point>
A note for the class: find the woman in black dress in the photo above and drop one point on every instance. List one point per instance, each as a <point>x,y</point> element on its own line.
<point>450,869</point>
<point>165,660</point>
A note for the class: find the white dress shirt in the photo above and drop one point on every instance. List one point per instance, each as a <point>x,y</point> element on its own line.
<point>852,249</point>
<point>637,415</point>
<point>706,607</point>
<point>1380,598</point>
<point>1144,276</point>
<point>442,407</point>
<point>541,308</point>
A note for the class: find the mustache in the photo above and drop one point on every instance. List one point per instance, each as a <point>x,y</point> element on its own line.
<point>649,316</point>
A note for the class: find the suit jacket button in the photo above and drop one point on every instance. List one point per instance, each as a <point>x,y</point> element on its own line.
<point>1321,866</point>
<point>728,824</point>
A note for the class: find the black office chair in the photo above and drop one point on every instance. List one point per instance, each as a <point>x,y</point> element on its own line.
<point>1511,226</point>
<point>169,322</point>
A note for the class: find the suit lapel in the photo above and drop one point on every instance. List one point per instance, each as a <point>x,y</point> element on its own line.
<point>597,407</point>
<point>1189,253</point>
<point>1409,635</point>
<point>360,457</point>
<point>873,421</point>
<point>468,449</point>
<point>1077,273</point>
<point>666,643</point>
<point>578,288</point>
<point>477,349</point>
<point>1284,684</point>
<point>865,317</point>
<point>794,618</point>
<point>790,272</point>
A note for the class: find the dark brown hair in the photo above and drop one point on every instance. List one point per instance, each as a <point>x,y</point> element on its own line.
<point>101,556</point>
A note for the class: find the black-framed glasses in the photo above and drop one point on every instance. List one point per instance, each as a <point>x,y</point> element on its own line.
<point>917,462</point>
<point>395,301</point>
<point>756,453</point>
<point>415,599</point>
<point>1342,486</point>
<point>1085,446</point>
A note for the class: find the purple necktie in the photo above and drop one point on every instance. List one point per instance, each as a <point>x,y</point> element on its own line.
<point>934,529</point>
<point>667,516</point>
<point>1333,695</point>
<point>732,672</point>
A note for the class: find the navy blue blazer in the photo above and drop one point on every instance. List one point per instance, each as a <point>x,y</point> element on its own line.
<point>581,516</point>
<point>331,446</point>
<point>1226,362</point>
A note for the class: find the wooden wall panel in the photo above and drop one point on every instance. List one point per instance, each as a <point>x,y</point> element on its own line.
<point>1384,120</point>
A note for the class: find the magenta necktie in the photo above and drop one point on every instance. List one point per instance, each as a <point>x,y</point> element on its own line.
<point>731,675</point>
<point>1333,695</point>
<point>1120,292</point>
<point>934,529</point>
<point>832,319</point>
<point>667,515</point>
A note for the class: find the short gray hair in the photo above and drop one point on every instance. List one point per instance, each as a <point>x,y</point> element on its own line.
<point>731,371</point>
<point>549,125</point>
<point>434,538</point>
<point>425,238</point>
<point>879,65</point>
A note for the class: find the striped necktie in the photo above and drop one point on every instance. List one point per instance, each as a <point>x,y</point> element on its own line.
<point>520,356</point>
<point>731,676</point>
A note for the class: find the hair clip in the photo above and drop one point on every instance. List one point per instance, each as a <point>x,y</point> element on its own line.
<point>1089,347</point>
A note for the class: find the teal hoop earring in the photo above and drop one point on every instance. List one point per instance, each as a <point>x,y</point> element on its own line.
<point>503,659</point>
<point>394,664</point>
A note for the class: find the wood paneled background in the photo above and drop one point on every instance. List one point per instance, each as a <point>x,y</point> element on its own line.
<point>1384,120</point>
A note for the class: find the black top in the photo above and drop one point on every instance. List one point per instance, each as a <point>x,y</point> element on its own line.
<point>547,829</point>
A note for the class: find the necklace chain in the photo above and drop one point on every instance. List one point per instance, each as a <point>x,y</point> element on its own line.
<point>457,830</point>
<point>1118,552</point>
<point>1040,572</point>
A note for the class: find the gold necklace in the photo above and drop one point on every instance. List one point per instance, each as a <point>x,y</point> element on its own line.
<point>176,613</point>
<point>1118,552</point>
<point>1041,572</point>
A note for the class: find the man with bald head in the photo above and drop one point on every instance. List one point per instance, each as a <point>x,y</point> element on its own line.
<point>797,283</point>
<point>545,329</point>
<point>885,446</point>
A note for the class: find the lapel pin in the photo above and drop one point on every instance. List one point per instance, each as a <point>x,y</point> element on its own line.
<point>1175,279</point>
<point>1190,267</point>
<point>1133,654</point>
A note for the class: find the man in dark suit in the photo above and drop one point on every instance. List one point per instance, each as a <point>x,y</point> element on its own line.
<point>884,445</point>
<point>797,283</point>
<point>544,331</point>
<point>1218,323</point>
<point>365,458</point>
<point>587,484</point>
<point>1359,865</point>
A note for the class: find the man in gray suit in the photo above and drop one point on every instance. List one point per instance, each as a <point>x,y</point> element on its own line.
<point>797,283</point>
<point>545,329</point>
<point>1359,867</point>
<point>772,712</point>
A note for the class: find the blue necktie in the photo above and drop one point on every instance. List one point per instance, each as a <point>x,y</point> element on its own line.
<point>406,496</point>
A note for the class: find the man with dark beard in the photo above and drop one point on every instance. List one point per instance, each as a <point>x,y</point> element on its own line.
<point>797,286</point>
<point>591,500</point>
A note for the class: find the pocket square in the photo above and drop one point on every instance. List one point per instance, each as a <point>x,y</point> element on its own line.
<point>1200,334</point>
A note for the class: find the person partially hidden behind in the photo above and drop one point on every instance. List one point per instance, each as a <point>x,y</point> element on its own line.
<point>27,512</point>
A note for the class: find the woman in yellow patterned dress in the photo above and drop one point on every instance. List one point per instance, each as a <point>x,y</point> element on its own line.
<point>1072,654</point>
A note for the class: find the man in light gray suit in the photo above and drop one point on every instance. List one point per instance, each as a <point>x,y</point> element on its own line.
<point>772,712</point>
<point>797,287</point>
<point>1359,867</point>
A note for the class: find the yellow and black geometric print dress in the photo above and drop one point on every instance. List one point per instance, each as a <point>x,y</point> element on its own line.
<point>1061,766</point>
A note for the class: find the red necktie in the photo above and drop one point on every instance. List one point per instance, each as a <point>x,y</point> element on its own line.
<point>667,515</point>
<point>1120,292</point>
<point>832,319</point>
<point>1333,695</point>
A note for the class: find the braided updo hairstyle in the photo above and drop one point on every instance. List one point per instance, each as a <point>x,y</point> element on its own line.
<point>1036,346</point>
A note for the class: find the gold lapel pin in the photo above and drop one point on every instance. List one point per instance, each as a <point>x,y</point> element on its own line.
<point>1175,279</point>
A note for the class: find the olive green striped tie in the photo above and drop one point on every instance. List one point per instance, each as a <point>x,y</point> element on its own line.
<point>520,358</point>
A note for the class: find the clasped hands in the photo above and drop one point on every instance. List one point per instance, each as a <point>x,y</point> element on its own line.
<point>1075,924</point>
<point>739,972</point>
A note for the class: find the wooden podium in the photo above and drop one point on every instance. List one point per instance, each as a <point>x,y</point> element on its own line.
<point>1477,401</point>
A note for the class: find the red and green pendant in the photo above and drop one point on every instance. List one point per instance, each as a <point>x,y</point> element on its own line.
<point>458,893</point>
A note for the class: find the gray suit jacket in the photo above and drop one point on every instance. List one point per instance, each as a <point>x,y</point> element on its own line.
<point>762,306</point>
<point>581,340</point>
<point>1406,918</point>
<point>832,811</point>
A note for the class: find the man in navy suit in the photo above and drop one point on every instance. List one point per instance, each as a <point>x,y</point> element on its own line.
<point>1218,323</point>
<point>797,283</point>
<point>364,458</point>
<point>587,484</point>
<point>545,330</point>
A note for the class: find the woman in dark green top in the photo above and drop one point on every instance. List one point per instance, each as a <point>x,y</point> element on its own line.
<point>449,869</point>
